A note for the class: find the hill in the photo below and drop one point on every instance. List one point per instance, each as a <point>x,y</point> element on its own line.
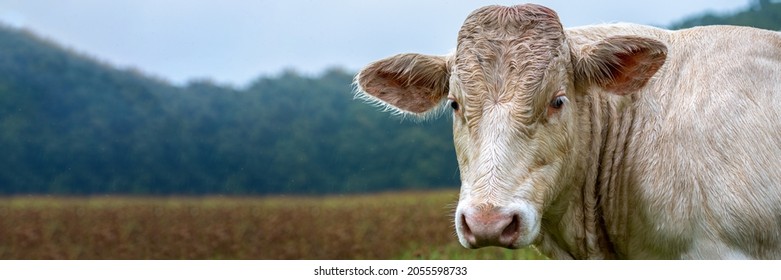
<point>763,14</point>
<point>72,125</point>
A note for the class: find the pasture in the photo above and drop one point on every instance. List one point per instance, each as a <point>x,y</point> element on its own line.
<point>405,225</point>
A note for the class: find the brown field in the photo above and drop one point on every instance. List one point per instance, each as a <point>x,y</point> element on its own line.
<point>410,225</point>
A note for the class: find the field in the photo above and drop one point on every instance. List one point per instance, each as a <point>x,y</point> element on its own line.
<point>408,225</point>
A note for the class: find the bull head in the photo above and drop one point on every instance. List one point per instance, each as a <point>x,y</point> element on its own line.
<point>519,91</point>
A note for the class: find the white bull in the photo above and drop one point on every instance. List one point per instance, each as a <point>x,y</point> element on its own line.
<point>608,141</point>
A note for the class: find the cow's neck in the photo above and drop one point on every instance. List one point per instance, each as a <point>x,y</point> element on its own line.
<point>592,214</point>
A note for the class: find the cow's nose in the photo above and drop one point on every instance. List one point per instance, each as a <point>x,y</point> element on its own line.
<point>493,227</point>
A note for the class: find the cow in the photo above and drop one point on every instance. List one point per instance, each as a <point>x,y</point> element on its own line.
<point>611,141</point>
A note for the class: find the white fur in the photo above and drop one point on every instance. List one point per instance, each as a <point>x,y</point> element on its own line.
<point>685,165</point>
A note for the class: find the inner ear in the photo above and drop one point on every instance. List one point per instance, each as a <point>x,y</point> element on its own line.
<point>620,65</point>
<point>413,83</point>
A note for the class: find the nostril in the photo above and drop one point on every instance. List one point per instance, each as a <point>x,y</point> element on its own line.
<point>511,231</point>
<point>466,230</point>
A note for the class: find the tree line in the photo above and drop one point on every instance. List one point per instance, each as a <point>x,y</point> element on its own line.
<point>72,125</point>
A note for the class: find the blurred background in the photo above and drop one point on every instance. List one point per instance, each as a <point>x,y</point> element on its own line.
<point>146,98</point>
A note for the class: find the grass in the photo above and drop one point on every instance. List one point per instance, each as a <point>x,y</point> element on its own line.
<point>408,225</point>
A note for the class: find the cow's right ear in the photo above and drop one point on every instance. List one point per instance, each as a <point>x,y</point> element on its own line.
<point>411,83</point>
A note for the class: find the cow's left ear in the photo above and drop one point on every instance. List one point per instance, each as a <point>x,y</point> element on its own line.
<point>620,65</point>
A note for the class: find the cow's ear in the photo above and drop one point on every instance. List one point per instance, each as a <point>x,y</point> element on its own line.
<point>411,83</point>
<point>620,65</point>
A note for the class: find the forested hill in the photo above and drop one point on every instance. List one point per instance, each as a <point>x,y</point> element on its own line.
<point>764,14</point>
<point>72,125</point>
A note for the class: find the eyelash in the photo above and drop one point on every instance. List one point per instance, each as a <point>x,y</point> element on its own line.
<point>558,102</point>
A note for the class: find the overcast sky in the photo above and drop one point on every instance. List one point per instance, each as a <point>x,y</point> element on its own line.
<point>235,41</point>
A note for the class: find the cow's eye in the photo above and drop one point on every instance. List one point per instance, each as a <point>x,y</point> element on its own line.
<point>454,105</point>
<point>558,102</point>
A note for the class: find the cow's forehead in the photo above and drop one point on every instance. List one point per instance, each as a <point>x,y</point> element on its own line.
<point>504,48</point>
<point>510,21</point>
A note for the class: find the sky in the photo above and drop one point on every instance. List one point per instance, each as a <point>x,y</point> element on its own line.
<point>233,42</point>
